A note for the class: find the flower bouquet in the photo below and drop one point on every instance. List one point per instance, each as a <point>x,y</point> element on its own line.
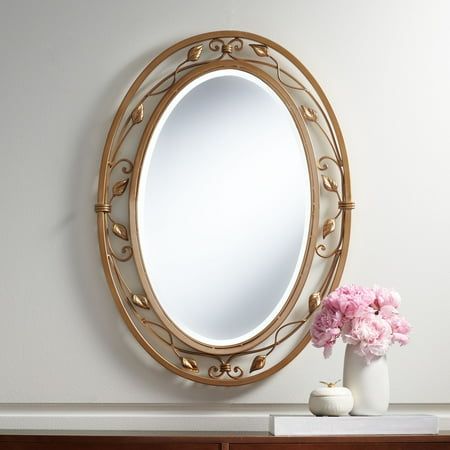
<point>366,318</point>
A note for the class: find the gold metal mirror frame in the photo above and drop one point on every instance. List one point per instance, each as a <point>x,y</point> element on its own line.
<point>329,231</point>
<point>146,136</point>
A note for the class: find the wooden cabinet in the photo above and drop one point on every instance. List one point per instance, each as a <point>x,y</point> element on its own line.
<point>201,441</point>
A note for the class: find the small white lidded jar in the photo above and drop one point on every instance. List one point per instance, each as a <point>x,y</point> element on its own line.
<point>330,400</point>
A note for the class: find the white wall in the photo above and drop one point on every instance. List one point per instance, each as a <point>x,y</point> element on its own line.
<point>65,65</point>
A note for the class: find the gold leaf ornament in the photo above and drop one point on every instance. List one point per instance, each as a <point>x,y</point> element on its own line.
<point>120,231</point>
<point>190,364</point>
<point>309,113</point>
<point>260,49</point>
<point>138,114</point>
<point>328,227</point>
<point>329,184</point>
<point>120,187</point>
<point>141,301</point>
<point>258,363</point>
<point>195,52</point>
<point>314,301</point>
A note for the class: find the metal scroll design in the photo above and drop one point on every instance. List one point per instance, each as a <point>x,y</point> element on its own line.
<point>119,249</point>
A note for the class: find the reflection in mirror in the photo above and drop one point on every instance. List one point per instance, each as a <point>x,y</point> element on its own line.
<point>223,207</point>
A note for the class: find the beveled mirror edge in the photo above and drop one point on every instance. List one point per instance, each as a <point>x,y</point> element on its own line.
<point>103,207</point>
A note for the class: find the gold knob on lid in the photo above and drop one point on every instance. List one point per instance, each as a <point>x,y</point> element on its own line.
<point>330,384</point>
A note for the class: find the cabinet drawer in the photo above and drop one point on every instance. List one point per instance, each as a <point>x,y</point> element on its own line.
<point>101,443</point>
<point>344,446</point>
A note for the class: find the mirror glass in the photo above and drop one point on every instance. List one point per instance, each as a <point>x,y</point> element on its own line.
<point>223,207</point>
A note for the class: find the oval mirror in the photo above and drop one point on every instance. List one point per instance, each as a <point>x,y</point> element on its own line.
<point>223,207</point>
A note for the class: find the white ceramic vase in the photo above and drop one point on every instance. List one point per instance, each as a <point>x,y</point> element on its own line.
<point>369,383</point>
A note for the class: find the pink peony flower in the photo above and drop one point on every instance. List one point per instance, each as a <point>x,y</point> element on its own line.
<point>386,301</point>
<point>325,329</point>
<point>371,333</point>
<point>366,318</point>
<point>350,301</point>
<point>400,329</point>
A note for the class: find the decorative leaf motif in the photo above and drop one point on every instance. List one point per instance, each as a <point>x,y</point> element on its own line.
<point>260,49</point>
<point>138,114</point>
<point>141,301</point>
<point>258,363</point>
<point>120,187</point>
<point>120,231</point>
<point>314,301</point>
<point>329,184</point>
<point>194,53</point>
<point>190,364</point>
<point>309,113</point>
<point>328,227</point>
